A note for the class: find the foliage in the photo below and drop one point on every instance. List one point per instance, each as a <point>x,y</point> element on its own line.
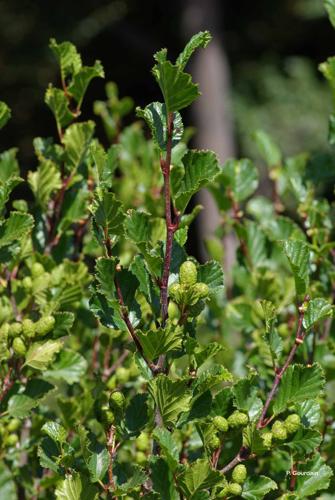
<point>128,370</point>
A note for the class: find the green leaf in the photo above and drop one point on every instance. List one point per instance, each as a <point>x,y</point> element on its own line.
<point>19,405</point>
<point>137,226</point>
<point>211,273</point>
<point>68,57</point>
<point>75,487</point>
<point>200,169</point>
<point>298,254</point>
<point>105,163</point>
<point>172,398</point>
<point>211,377</point>
<point>63,323</point>
<point>246,398</point>
<point>55,431</point>
<point>15,227</point>
<point>40,355</point>
<point>267,148</point>
<point>309,412</point>
<point>271,337</point>
<point>298,383</point>
<point>7,485</point>
<point>76,140</point>
<point>82,78</point>
<point>317,310</point>
<point>163,480</point>
<point>315,476</point>
<point>168,446</point>
<point>44,182</point>
<point>256,243</point>
<point>240,178</point>
<point>177,87</point>
<point>162,341</point>
<point>198,40</point>
<point>330,8</point>
<point>70,367</point>
<point>56,100</point>
<point>98,465</point>
<point>137,413</point>
<point>197,477</point>
<point>304,441</point>
<point>257,487</point>
<point>156,118</point>
<point>131,478</point>
<point>108,214</point>
<point>48,452</point>
<point>5,114</point>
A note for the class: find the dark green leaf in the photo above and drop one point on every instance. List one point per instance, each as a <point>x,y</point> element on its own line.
<point>5,114</point>
<point>257,487</point>
<point>98,465</point>
<point>298,253</point>
<point>317,310</point>
<point>171,397</point>
<point>156,118</point>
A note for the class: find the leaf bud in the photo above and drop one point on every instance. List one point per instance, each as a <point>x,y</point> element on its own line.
<point>278,430</point>
<point>140,458</point>
<point>142,442</point>
<point>220,423</point>
<point>267,439</point>
<point>44,325</point>
<point>239,474</point>
<point>37,270</point>
<point>237,419</point>
<point>122,375</point>
<point>11,440</point>
<point>117,401</point>
<point>292,423</point>
<point>235,489</point>
<point>27,282</point>
<point>15,329</point>
<point>4,331</point>
<point>188,273</point>
<point>108,417</point>
<point>13,425</point>
<point>176,293</point>
<point>214,442</point>
<point>19,346</point>
<point>201,290</point>
<point>28,328</point>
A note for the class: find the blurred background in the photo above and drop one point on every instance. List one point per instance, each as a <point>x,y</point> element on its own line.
<point>260,71</point>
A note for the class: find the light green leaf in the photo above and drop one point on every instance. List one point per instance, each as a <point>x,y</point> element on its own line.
<point>15,227</point>
<point>82,78</point>
<point>198,40</point>
<point>70,367</point>
<point>211,273</point>
<point>317,476</point>
<point>298,255</point>
<point>211,377</point>
<point>309,412</point>
<point>298,383</point>
<point>7,484</point>
<point>271,337</point>
<point>5,114</point>
<point>246,397</point>
<point>257,487</point>
<point>330,8</point>
<point>76,140</point>
<point>168,446</point>
<point>172,397</point>
<point>156,118</point>
<point>108,214</point>
<point>55,431</point>
<point>137,226</point>
<point>162,341</point>
<point>44,182</point>
<point>98,465</point>
<point>56,100</point>
<point>41,354</point>
<point>105,163</point>
<point>75,487</point>
<point>68,57</point>
<point>197,477</point>
<point>200,169</point>
<point>240,177</point>
<point>256,243</point>
<point>267,148</point>
<point>304,441</point>
<point>317,310</point>
<point>177,87</point>
<point>19,405</point>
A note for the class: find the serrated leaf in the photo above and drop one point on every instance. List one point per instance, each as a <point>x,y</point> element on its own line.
<point>211,273</point>
<point>137,226</point>
<point>317,309</point>
<point>156,118</point>
<point>68,57</point>
<point>137,413</point>
<point>168,446</point>
<point>163,480</point>
<point>298,255</point>
<point>48,454</point>
<point>82,78</point>
<point>19,405</point>
<point>177,87</point>
<point>98,465</point>
<point>70,367</point>
<point>5,114</point>
<point>15,227</point>
<point>55,431</point>
<point>172,397</point>
<point>198,477</point>
<point>105,163</point>
<point>56,100</point>
<point>63,323</point>
<point>315,476</point>
<point>240,177</point>
<point>198,40</point>
<point>298,384</point>
<point>162,341</point>
<point>330,8</point>
<point>76,140</point>
<point>211,377</point>
<point>256,243</point>
<point>304,441</point>
<point>309,412</point>
<point>108,214</point>
<point>255,488</point>
<point>246,397</point>
<point>200,169</point>
<point>267,148</point>
<point>41,354</point>
<point>44,182</point>
<point>133,477</point>
<point>75,487</point>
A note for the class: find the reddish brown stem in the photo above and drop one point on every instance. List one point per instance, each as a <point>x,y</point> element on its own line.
<point>293,479</point>
<point>110,435</point>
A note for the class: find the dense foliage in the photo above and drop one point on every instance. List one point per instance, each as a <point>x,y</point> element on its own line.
<point>130,370</point>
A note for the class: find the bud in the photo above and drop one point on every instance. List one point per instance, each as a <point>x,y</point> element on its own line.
<point>27,282</point>
<point>142,442</point>
<point>140,458</point>
<point>188,273</point>
<point>11,440</point>
<point>108,417</point>
<point>28,328</point>
<point>13,425</point>
<point>214,442</point>
<point>37,270</point>
<point>279,431</point>
<point>201,290</point>
<point>235,489</point>
<point>220,423</point>
<point>176,293</point>
<point>4,331</point>
<point>19,346</point>
<point>44,325</point>
<point>117,401</point>
<point>238,419</point>
<point>239,474</point>
<point>267,439</point>
<point>122,375</point>
<point>292,423</point>
<point>15,329</point>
